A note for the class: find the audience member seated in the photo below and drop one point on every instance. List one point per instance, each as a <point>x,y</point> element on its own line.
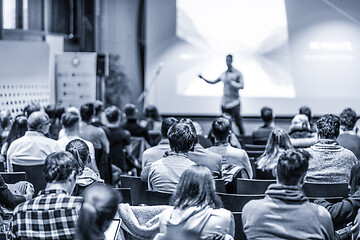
<point>164,174</point>
<point>262,133</point>
<point>197,154</point>
<point>97,212</point>
<point>153,154</point>
<point>233,140</point>
<point>71,123</point>
<point>307,111</point>
<point>29,109</point>
<point>152,120</point>
<point>347,138</point>
<point>230,156</point>
<point>97,137</point>
<point>6,121</point>
<point>10,200</point>
<point>118,137</point>
<point>17,130</point>
<point>330,162</point>
<point>344,212</point>
<point>96,119</point>
<point>285,212</point>
<point>80,150</point>
<point>132,125</point>
<point>202,156</point>
<point>54,114</point>
<point>278,142</point>
<point>196,207</point>
<point>91,133</point>
<point>33,147</point>
<point>300,134</point>
<point>53,213</point>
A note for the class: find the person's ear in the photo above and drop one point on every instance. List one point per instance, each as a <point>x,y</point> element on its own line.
<point>302,181</point>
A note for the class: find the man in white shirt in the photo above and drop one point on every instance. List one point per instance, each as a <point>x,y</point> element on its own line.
<point>71,121</point>
<point>233,82</point>
<point>164,174</point>
<point>34,147</point>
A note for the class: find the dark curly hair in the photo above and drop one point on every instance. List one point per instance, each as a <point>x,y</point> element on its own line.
<point>292,166</point>
<point>328,126</point>
<point>348,119</point>
<point>181,137</point>
<point>59,166</point>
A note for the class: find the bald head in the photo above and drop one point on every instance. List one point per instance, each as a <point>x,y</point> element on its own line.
<point>37,121</point>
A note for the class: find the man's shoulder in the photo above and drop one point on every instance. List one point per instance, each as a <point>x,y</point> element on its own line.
<point>41,202</point>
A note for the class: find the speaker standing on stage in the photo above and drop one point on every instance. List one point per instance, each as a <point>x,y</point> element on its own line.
<point>233,82</point>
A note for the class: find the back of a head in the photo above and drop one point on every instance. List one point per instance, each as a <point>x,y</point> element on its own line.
<point>18,129</point>
<point>112,114</point>
<point>166,124</point>
<point>278,139</point>
<point>98,210</point>
<point>348,119</point>
<point>328,126</point>
<point>300,122</point>
<point>266,114</point>
<point>59,166</point>
<point>292,166</point>
<point>221,128</point>
<point>306,111</point>
<point>80,150</point>
<point>196,188</point>
<point>152,112</point>
<point>87,111</point>
<point>70,119</point>
<point>131,111</point>
<point>59,112</point>
<point>5,118</point>
<point>51,111</point>
<point>36,120</point>
<point>29,109</point>
<point>98,107</point>
<point>181,137</point>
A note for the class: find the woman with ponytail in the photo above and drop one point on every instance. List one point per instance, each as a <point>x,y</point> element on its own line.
<point>88,176</point>
<point>98,210</point>
<point>278,142</point>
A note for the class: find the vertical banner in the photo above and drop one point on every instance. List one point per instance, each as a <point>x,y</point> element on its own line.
<point>75,75</point>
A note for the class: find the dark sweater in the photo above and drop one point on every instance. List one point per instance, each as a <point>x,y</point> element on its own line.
<point>8,199</point>
<point>342,212</point>
<point>351,142</point>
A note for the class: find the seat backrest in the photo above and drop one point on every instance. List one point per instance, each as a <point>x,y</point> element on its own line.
<point>239,232</point>
<point>254,154</point>
<point>137,146</point>
<point>220,186</point>
<point>14,177</point>
<point>326,189</point>
<point>246,140</point>
<point>236,202</point>
<point>157,198</point>
<point>126,195</point>
<point>254,147</point>
<point>329,199</point>
<point>253,186</point>
<point>138,188</point>
<point>34,175</point>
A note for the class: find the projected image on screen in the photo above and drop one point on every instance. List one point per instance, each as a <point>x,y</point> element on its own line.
<point>255,32</point>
